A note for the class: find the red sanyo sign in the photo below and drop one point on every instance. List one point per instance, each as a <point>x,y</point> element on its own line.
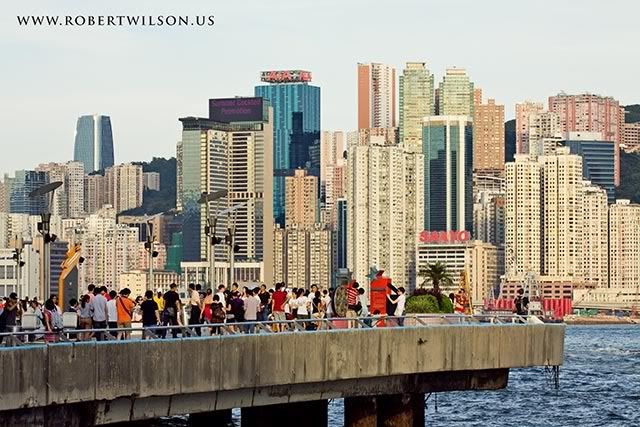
<point>444,236</point>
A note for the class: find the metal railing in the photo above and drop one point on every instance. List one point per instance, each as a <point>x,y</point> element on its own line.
<point>40,336</point>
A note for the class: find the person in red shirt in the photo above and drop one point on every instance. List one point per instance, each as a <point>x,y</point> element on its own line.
<point>277,306</point>
<point>353,301</point>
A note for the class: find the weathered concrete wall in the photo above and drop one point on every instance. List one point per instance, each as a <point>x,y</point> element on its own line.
<point>250,370</point>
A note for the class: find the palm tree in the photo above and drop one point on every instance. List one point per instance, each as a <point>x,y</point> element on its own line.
<point>437,274</point>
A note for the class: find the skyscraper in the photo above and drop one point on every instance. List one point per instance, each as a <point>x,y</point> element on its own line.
<point>384,211</point>
<point>296,128</point>
<point>544,133</point>
<point>447,143</point>
<point>124,186</point>
<point>94,143</point>
<point>376,96</point>
<point>24,182</point>
<point>68,200</point>
<point>95,193</point>
<point>341,234</point>
<point>231,150</point>
<point>488,137</point>
<point>591,113</point>
<point>301,199</point>
<point>598,159</point>
<point>595,236</point>
<point>522,217</point>
<point>416,102</point>
<point>523,111</point>
<point>624,251</point>
<point>455,94</point>
<point>561,186</point>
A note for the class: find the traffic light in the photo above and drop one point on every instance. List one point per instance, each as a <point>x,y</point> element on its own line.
<point>80,260</point>
<point>50,238</point>
<point>215,240</point>
<point>236,248</point>
<point>154,254</point>
<point>207,230</point>
<point>147,245</point>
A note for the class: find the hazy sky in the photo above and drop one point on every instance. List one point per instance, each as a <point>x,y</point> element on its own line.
<point>145,77</point>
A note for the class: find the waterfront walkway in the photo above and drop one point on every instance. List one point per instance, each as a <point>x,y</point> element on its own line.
<point>269,374</point>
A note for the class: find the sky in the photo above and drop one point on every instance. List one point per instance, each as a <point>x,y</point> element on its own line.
<point>145,78</point>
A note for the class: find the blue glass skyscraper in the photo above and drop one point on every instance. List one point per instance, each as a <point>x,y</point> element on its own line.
<point>25,182</point>
<point>94,143</point>
<point>598,159</point>
<point>447,145</point>
<point>296,128</point>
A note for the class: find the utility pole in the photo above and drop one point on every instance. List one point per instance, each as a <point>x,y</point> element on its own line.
<point>232,249</point>
<point>149,246</point>
<point>210,230</point>
<point>18,246</point>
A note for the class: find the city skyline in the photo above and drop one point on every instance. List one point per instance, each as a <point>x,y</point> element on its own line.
<point>143,82</point>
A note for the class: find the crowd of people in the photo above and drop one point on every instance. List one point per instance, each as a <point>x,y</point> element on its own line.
<point>100,311</point>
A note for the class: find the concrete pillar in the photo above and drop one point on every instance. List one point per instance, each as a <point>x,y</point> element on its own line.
<point>360,412</point>
<point>309,414</point>
<point>214,418</point>
<point>401,410</point>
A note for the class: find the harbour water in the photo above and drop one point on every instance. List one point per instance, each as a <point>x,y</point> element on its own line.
<point>599,386</point>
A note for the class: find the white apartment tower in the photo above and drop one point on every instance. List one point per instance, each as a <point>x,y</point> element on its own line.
<point>384,211</point>
<point>624,245</point>
<point>522,217</point>
<point>595,236</point>
<point>562,213</point>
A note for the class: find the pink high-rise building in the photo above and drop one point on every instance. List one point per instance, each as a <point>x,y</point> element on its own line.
<point>376,96</point>
<point>523,111</point>
<point>591,113</point>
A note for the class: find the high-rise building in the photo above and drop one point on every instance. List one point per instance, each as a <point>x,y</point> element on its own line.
<point>68,201</point>
<point>523,112</point>
<point>334,190</point>
<point>303,256</point>
<point>522,216</point>
<point>94,143</point>
<point>332,146</point>
<point>416,103</point>
<point>598,159</point>
<point>301,200</point>
<point>95,193</point>
<point>488,137</point>
<point>448,176</point>
<point>561,184</point>
<point>595,236</point>
<point>341,234</point>
<point>124,186</point>
<point>624,250</point>
<point>296,128</point>
<point>544,133</point>
<point>591,113</point>
<point>384,211</point>
<point>376,96</point>
<point>23,183</point>
<point>631,137</point>
<point>151,181</point>
<point>232,151</point>
<point>489,216</point>
<point>456,94</point>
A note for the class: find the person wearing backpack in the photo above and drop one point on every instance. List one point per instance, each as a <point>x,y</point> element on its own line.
<point>218,315</point>
<point>124,305</point>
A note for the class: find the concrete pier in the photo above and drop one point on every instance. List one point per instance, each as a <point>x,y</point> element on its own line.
<point>382,373</point>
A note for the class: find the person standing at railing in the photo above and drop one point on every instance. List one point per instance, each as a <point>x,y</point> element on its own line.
<point>326,300</point>
<point>251,307</point>
<point>150,313</point>
<point>99,305</point>
<point>159,300</point>
<point>205,316</point>
<point>218,313</point>
<point>51,332</point>
<point>85,312</point>
<point>125,306</point>
<point>277,306</point>
<point>195,307</point>
<point>364,308</point>
<point>399,301</point>
<point>172,306</point>
<point>10,314</point>
<point>112,312</point>
<point>265,303</point>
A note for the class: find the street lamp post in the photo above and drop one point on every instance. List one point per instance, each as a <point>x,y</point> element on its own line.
<point>230,238</point>
<point>150,247</point>
<point>210,229</point>
<point>18,246</point>
<point>44,228</point>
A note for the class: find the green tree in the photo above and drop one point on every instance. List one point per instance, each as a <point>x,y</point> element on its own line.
<point>436,274</point>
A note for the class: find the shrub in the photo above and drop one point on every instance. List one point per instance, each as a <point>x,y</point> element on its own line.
<point>427,303</point>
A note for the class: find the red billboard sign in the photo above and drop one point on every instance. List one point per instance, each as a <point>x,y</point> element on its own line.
<point>444,236</point>
<point>285,76</point>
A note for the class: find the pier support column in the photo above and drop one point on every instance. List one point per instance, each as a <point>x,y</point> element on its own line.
<point>214,418</point>
<point>360,412</point>
<point>311,414</point>
<point>401,410</point>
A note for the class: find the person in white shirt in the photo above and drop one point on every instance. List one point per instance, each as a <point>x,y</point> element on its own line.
<point>400,301</point>
<point>302,303</point>
<point>326,299</point>
<point>220,294</point>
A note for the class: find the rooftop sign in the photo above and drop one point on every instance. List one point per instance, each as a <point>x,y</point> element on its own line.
<point>227,110</point>
<point>444,236</point>
<point>285,76</point>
